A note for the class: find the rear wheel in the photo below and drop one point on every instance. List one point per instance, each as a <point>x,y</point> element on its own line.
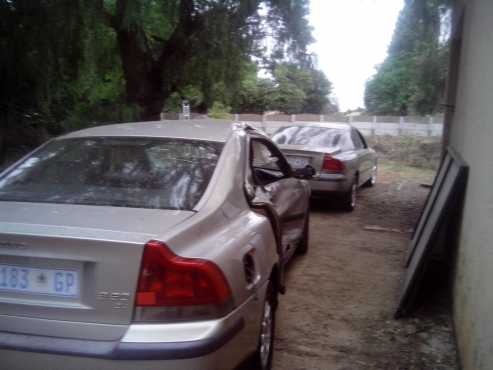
<point>373,179</point>
<point>349,198</point>
<point>302,247</point>
<point>262,359</point>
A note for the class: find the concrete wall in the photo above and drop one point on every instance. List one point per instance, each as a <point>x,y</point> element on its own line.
<point>471,134</point>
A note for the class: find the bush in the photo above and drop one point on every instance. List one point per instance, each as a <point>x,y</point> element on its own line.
<point>220,111</point>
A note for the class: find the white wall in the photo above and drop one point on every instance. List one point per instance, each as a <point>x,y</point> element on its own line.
<point>472,136</point>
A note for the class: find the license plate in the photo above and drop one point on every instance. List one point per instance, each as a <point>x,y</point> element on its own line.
<point>298,162</point>
<point>21,279</point>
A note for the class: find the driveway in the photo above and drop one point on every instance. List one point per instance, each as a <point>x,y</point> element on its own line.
<point>338,310</point>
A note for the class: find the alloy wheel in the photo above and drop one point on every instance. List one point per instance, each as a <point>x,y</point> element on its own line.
<point>353,195</point>
<point>373,179</point>
<point>266,335</point>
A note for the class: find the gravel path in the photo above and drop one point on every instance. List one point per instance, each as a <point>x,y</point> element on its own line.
<point>338,310</point>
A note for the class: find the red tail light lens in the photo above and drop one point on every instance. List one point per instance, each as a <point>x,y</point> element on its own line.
<point>332,164</point>
<point>169,280</point>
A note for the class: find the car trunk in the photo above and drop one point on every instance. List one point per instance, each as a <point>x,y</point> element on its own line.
<point>300,156</point>
<point>72,262</point>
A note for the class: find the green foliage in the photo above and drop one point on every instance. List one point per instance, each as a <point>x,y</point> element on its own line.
<point>70,64</point>
<point>289,96</point>
<point>220,111</point>
<point>412,78</point>
<point>40,57</point>
<point>98,94</point>
<point>191,93</point>
<point>288,24</point>
<point>253,93</point>
<point>317,92</point>
<point>292,89</point>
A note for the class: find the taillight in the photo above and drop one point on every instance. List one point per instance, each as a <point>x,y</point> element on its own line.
<point>332,164</point>
<point>169,280</point>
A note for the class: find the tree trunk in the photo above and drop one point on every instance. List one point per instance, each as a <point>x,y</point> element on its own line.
<point>150,80</point>
<point>3,146</point>
<point>143,88</point>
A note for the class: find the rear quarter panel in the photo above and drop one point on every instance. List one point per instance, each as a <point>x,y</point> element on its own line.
<point>351,162</point>
<point>225,229</point>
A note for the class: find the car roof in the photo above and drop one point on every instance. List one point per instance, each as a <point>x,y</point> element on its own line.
<point>204,129</point>
<point>335,125</point>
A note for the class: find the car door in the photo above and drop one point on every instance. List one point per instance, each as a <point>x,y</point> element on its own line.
<point>365,161</point>
<point>273,184</point>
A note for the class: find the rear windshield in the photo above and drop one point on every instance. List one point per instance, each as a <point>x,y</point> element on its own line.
<point>124,172</point>
<point>312,136</point>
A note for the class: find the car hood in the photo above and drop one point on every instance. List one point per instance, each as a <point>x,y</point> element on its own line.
<point>115,223</point>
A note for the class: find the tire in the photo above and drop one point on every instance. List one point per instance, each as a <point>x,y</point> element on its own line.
<point>372,180</point>
<point>349,198</point>
<point>262,359</point>
<point>302,247</point>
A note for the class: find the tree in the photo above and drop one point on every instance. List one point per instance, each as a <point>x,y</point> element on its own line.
<point>412,78</point>
<point>163,43</point>
<point>292,89</point>
<point>40,55</point>
<point>67,64</point>
<point>317,90</point>
<point>254,94</point>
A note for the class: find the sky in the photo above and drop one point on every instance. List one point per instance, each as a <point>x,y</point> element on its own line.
<point>352,37</point>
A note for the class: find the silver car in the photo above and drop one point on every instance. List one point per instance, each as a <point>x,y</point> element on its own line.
<point>337,152</point>
<point>157,245</point>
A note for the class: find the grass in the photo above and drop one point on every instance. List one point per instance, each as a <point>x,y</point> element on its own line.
<point>401,171</point>
<point>422,152</point>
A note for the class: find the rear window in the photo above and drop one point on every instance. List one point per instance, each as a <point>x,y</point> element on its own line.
<point>123,172</point>
<point>312,136</point>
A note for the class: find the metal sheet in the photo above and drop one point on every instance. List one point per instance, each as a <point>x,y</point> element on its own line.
<point>448,186</point>
<point>430,202</point>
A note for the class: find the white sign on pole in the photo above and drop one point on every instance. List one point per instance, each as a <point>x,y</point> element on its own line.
<point>185,105</point>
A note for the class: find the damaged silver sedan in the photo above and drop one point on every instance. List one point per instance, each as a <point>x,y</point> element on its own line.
<point>337,152</point>
<point>147,246</point>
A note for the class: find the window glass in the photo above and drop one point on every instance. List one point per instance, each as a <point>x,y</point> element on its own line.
<point>136,172</point>
<point>356,139</point>
<point>263,157</point>
<point>346,143</point>
<point>266,165</point>
<point>311,136</point>
<point>362,138</point>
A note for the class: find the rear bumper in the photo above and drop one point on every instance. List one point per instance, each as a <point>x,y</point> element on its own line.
<point>207,345</point>
<point>120,350</point>
<point>16,360</point>
<point>330,183</point>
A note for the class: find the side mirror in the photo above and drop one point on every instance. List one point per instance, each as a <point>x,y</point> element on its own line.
<point>305,173</point>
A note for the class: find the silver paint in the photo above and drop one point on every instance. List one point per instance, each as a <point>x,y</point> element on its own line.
<point>106,243</point>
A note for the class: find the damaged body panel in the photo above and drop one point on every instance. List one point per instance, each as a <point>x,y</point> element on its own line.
<point>337,152</point>
<point>99,228</point>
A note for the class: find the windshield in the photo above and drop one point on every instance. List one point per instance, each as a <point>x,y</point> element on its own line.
<point>312,136</point>
<point>124,172</point>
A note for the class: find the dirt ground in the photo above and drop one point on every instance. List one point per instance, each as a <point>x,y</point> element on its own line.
<point>337,313</point>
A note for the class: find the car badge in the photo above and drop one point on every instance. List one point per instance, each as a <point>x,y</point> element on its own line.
<point>12,245</point>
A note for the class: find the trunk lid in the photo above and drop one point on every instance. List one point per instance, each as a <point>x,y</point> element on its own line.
<point>73,262</point>
<point>300,156</point>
